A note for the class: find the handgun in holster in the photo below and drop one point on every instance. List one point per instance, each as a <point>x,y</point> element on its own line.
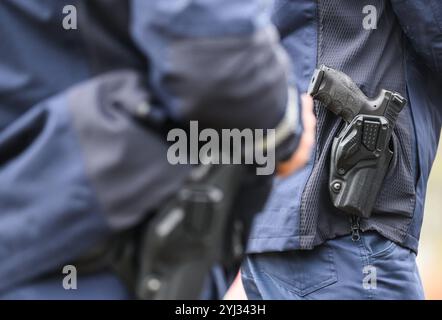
<point>362,151</point>
<point>194,231</point>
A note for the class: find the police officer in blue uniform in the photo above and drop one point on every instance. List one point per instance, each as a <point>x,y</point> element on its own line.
<point>301,246</point>
<point>78,163</point>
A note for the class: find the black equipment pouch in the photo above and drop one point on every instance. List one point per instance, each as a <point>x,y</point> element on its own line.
<point>362,151</point>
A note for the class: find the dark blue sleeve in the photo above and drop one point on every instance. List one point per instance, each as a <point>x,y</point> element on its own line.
<point>48,211</point>
<point>422,23</point>
<point>214,61</point>
<point>75,170</point>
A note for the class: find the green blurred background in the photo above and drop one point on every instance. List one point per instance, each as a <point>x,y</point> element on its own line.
<point>430,250</point>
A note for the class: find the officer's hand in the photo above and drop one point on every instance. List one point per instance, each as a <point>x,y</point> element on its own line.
<point>302,155</point>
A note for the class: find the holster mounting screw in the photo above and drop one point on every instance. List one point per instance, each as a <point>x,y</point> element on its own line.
<point>337,186</point>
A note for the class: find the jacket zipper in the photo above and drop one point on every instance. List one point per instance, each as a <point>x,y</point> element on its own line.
<point>355,228</point>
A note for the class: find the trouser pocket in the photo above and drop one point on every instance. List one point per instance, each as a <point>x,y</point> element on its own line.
<point>292,274</point>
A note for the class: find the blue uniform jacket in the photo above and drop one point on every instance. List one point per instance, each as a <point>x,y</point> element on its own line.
<point>75,166</point>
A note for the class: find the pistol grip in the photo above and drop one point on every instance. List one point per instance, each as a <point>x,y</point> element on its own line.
<point>338,93</point>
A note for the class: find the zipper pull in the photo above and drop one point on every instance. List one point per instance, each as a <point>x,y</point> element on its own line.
<point>355,228</point>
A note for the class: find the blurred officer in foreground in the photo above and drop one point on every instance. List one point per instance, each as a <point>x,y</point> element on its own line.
<point>302,247</point>
<point>78,164</point>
